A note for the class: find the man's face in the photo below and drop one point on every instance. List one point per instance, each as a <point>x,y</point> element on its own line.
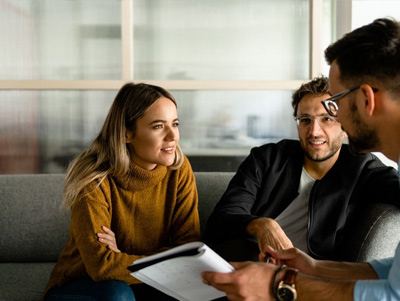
<point>361,136</point>
<point>319,143</point>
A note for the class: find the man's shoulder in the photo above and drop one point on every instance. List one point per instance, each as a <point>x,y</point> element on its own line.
<point>288,144</point>
<point>360,158</point>
<point>283,146</point>
<point>282,151</point>
<point>365,161</point>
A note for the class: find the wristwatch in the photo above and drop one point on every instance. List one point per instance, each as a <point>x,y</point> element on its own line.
<point>286,290</point>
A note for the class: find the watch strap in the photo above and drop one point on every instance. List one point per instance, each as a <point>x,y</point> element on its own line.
<point>286,290</point>
<point>290,276</point>
<point>274,284</point>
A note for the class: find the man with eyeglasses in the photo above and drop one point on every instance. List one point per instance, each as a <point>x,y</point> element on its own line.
<point>365,80</point>
<point>300,193</point>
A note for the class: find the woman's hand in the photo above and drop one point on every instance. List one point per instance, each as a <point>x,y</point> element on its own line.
<point>108,238</point>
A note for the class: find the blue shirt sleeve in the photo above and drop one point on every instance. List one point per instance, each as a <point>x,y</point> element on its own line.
<point>388,285</point>
<point>382,267</point>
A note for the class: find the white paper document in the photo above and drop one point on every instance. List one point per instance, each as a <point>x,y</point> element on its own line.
<point>177,272</point>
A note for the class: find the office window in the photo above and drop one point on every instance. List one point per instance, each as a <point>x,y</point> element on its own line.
<point>60,40</point>
<point>366,11</point>
<point>231,64</point>
<point>221,40</point>
<point>43,130</point>
<point>221,122</point>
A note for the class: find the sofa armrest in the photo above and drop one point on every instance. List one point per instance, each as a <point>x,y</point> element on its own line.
<point>374,234</point>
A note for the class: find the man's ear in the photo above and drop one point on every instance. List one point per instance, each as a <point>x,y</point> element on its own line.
<point>369,100</point>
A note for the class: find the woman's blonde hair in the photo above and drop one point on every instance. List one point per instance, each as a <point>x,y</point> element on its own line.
<point>108,154</point>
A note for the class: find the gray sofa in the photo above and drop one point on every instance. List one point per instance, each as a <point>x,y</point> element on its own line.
<point>34,230</point>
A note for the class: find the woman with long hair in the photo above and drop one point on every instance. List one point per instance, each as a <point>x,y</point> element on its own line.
<point>131,193</point>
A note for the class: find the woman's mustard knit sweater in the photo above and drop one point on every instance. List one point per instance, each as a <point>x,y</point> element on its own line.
<point>149,211</point>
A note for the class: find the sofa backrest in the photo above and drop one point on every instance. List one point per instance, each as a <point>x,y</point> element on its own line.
<point>35,229</point>
<point>210,186</point>
<point>375,234</point>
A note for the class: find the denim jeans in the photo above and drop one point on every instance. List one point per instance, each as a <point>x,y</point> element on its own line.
<point>110,290</point>
<point>87,289</point>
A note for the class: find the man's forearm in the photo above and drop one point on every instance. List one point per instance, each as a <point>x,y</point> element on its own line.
<point>258,226</point>
<point>310,288</point>
<point>268,233</point>
<point>297,259</point>
<point>344,270</point>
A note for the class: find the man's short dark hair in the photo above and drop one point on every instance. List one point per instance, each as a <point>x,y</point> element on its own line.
<point>369,54</point>
<point>318,86</point>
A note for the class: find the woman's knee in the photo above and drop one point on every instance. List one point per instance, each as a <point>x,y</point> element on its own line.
<point>117,290</point>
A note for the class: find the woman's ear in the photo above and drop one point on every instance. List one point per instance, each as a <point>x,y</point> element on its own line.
<point>128,136</point>
<point>369,100</point>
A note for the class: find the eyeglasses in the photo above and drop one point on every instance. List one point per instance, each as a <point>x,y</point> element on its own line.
<point>330,104</point>
<point>325,121</point>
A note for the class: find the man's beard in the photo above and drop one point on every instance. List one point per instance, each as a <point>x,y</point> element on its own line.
<point>365,138</point>
<point>336,145</point>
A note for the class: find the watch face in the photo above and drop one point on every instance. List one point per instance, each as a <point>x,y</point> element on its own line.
<point>286,294</point>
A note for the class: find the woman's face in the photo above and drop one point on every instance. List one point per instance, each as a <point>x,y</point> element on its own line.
<point>156,137</point>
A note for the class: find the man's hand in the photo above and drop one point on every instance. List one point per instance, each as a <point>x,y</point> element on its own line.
<point>108,238</point>
<point>327,269</point>
<point>294,258</point>
<point>268,233</point>
<point>250,281</point>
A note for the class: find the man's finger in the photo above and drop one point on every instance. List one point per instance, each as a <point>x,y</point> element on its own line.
<point>239,265</point>
<point>214,278</point>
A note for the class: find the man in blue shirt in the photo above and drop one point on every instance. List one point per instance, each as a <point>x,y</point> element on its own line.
<point>365,83</point>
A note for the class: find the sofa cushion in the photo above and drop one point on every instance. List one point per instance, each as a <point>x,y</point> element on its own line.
<point>23,281</point>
